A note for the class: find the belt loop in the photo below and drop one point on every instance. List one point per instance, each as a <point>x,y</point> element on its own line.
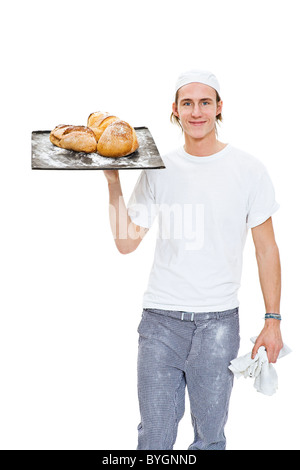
<point>192,317</point>
<point>218,315</point>
<point>182,316</point>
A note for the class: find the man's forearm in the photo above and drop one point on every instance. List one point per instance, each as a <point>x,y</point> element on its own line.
<point>270,280</point>
<point>126,234</point>
<point>118,216</point>
<point>269,269</point>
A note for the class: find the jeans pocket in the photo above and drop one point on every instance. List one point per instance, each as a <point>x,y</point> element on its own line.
<point>141,320</point>
<point>148,326</point>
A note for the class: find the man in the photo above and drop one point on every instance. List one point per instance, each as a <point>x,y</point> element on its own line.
<point>207,198</point>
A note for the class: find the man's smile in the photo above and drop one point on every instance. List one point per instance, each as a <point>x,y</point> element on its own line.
<point>197,123</point>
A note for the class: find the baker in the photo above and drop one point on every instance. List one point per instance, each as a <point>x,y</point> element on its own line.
<point>189,330</point>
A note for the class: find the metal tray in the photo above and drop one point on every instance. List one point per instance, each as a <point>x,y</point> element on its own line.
<point>46,156</point>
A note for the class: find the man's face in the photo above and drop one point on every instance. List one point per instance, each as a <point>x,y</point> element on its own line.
<point>197,109</point>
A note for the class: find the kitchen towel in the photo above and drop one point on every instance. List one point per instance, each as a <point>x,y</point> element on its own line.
<point>259,368</point>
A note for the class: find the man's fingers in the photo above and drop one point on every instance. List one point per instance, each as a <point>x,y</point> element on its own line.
<point>255,350</point>
<point>273,355</point>
<point>272,352</point>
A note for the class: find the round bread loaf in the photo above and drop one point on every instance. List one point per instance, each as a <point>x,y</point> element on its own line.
<point>78,138</point>
<point>118,140</point>
<point>57,133</point>
<point>99,121</point>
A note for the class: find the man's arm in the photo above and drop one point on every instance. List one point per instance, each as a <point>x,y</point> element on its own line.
<point>268,261</point>
<point>127,235</point>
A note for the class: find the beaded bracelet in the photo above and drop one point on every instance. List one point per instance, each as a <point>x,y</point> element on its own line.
<point>276,316</point>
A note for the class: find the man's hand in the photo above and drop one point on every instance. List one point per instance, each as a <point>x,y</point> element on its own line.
<point>271,339</point>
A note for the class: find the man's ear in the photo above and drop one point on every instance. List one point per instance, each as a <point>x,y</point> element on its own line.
<point>219,107</point>
<point>175,110</point>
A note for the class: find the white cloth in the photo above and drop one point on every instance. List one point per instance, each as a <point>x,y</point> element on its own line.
<point>205,206</point>
<point>259,368</point>
<point>200,76</point>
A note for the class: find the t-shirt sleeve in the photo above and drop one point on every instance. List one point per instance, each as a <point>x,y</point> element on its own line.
<point>262,203</point>
<point>142,208</point>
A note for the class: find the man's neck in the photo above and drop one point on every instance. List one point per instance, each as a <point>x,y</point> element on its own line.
<point>209,145</point>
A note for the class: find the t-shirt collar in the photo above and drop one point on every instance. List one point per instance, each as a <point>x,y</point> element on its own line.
<point>205,159</point>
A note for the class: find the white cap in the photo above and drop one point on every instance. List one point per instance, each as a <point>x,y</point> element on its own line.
<point>199,76</point>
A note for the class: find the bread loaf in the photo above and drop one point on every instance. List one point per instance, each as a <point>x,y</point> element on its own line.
<point>117,140</point>
<point>99,121</point>
<point>105,134</point>
<point>78,138</point>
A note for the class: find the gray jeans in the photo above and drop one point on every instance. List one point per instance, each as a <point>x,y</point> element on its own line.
<point>179,349</point>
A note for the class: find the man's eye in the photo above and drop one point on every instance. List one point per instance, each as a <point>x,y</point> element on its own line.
<point>186,104</point>
<point>205,102</point>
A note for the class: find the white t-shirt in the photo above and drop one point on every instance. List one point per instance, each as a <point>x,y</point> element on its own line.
<point>205,207</point>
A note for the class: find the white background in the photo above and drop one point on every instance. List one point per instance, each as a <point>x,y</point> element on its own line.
<point>70,303</point>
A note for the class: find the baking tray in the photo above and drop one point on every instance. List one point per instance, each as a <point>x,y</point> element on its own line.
<point>46,156</point>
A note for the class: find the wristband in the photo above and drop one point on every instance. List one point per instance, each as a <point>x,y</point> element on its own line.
<point>275,316</point>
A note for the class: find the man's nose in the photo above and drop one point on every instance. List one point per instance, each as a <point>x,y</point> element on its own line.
<point>197,111</point>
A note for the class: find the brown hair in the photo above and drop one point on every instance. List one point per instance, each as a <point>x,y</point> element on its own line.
<point>175,120</point>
